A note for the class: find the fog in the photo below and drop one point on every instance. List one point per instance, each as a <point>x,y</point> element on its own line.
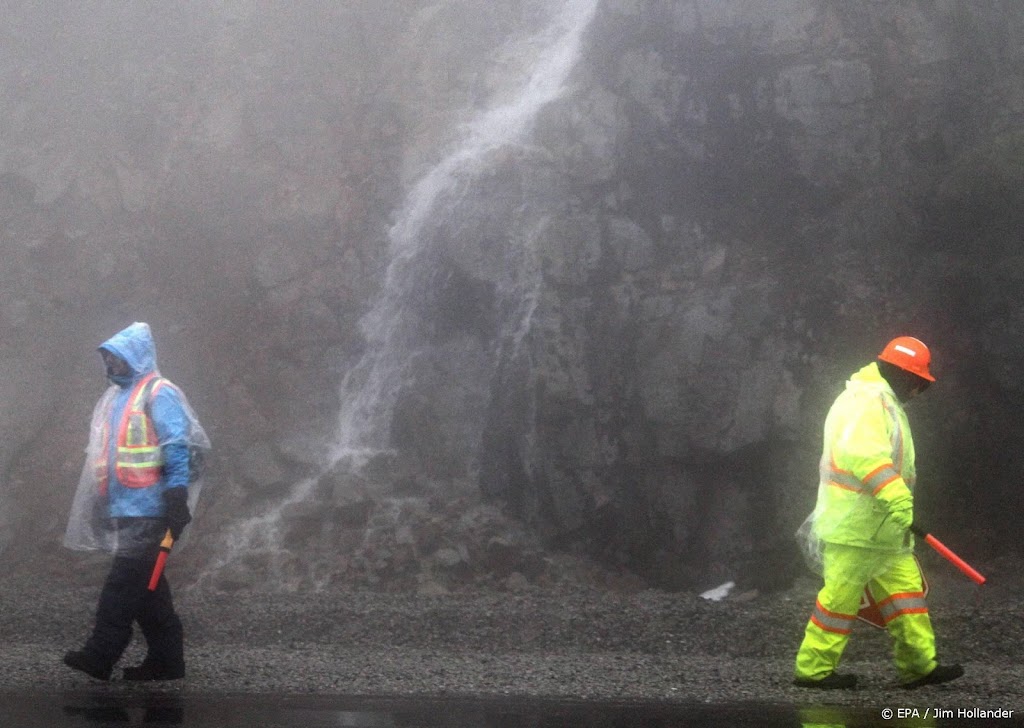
<point>463,289</point>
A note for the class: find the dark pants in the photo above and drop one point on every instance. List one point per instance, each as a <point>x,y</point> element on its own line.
<point>126,599</point>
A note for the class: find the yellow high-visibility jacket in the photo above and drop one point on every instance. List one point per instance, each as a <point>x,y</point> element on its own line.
<point>867,467</point>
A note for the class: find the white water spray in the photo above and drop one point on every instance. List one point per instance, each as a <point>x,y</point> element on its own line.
<point>369,391</point>
<point>392,327</point>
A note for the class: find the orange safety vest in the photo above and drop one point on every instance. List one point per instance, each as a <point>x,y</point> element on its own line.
<point>140,460</point>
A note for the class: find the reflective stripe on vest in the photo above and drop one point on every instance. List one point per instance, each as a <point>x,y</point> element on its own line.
<point>873,482</point>
<point>832,621</point>
<point>897,447</point>
<point>139,462</point>
<point>899,604</point>
<point>844,479</point>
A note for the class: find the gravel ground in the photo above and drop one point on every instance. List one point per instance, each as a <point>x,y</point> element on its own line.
<point>566,642</point>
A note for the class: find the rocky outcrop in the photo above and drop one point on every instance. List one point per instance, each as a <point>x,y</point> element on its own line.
<point>618,329</point>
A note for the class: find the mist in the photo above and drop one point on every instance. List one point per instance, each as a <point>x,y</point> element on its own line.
<point>491,294</point>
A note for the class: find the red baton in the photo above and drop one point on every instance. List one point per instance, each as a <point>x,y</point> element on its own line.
<point>949,556</point>
<point>161,559</point>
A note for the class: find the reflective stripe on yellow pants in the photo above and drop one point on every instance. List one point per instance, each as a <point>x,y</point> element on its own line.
<point>895,583</point>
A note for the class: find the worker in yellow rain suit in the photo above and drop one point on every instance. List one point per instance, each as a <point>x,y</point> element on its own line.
<point>858,532</point>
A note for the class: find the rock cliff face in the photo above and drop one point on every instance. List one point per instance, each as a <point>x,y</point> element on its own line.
<point>457,287</point>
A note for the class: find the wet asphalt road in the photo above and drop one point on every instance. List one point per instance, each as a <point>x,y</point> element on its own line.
<point>155,707</point>
<point>538,659</point>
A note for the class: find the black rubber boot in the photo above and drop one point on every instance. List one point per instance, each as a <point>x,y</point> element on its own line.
<point>832,681</point>
<point>941,674</point>
<point>81,660</point>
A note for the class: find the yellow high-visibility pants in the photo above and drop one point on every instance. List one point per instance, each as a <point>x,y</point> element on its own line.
<point>895,583</point>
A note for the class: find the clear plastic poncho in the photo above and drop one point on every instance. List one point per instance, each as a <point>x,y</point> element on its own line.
<point>90,525</point>
<point>865,424</point>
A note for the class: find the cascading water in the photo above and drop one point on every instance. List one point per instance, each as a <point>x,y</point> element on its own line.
<point>394,327</point>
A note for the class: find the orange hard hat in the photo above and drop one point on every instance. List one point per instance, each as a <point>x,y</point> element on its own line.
<point>909,353</point>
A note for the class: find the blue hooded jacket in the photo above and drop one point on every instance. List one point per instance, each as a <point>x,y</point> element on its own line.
<point>136,347</point>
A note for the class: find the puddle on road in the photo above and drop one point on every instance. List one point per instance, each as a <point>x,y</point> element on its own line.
<point>122,708</point>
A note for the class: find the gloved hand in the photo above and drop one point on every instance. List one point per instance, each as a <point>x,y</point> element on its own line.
<point>902,518</point>
<point>176,500</point>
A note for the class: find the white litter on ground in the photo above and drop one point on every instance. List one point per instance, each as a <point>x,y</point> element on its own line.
<point>719,592</point>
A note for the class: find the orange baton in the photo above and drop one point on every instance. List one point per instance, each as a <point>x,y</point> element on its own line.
<point>948,555</point>
<point>161,560</point>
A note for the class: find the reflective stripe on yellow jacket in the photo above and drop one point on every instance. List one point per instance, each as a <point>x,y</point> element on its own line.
<point>867,466</point>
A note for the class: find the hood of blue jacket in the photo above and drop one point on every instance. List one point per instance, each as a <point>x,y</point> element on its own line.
<point>135,345</point>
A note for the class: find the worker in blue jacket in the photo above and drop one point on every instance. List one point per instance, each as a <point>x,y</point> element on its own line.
<point>137,485</point>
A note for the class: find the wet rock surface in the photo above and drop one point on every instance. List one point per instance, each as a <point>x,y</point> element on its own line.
<point>567,641</point>
<point>624,327</point>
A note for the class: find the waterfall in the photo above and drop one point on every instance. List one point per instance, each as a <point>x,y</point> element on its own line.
<point>369,390</point>
<point>392,327</point>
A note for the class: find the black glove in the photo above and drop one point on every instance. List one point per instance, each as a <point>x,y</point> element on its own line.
<point>176,500</point>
